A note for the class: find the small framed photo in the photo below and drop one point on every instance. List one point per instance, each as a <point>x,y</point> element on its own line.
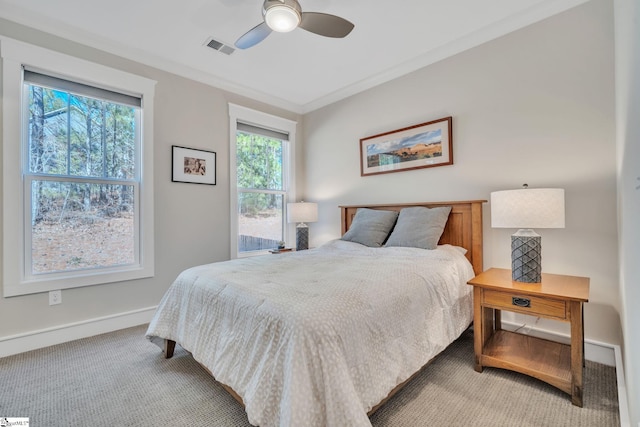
<point>193,166</point>
<point>420,146</point>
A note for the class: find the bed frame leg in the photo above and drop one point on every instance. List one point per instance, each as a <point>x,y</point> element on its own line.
<point>169,346</point>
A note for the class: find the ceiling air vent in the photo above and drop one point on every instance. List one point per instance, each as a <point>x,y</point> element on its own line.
<point>219,46</point>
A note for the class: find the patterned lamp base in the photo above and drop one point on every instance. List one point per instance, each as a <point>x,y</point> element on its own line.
<point>302,237</point>
<point>526,257</point>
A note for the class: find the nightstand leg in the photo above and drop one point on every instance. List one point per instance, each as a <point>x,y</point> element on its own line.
<point>488,324</point>
<point>577,352</point>
<point>584,364</point>
<point>478,328</point>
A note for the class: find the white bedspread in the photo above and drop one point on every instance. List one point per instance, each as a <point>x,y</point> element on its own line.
<point>318,337</point>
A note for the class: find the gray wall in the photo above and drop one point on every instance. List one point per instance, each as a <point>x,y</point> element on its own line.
<point>627,18</point>
<point>535,106</point>
<point>191,221</point>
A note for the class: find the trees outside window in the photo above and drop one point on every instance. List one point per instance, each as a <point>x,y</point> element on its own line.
<point>261,191</point>
<point>262,178</point>
<point>82,171</point>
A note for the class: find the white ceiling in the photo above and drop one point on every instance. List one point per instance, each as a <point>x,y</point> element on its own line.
<point>298,71</point>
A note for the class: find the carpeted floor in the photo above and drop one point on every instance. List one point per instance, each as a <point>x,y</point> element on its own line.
<point>121,379</point>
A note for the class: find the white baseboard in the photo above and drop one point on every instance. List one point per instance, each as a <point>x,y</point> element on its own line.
<point>32,340</point>
<point>595,351</point>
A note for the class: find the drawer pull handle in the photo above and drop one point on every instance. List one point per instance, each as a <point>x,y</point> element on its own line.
<point>521,302</point>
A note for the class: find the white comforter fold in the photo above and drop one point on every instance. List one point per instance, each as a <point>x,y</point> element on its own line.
<point>318,337</point>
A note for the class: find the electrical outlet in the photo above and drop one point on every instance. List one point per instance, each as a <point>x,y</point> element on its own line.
<point>55,297</point>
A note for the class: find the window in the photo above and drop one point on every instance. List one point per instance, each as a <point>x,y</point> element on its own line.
<point>80,176</point>
<point>261,181</point>
<point>82,170</point>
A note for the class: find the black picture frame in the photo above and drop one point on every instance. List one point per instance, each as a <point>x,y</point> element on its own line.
<point>192,165</point>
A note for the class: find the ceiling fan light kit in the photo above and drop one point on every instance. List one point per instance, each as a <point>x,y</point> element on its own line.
<point>282,16</point>
<point>286,15</point>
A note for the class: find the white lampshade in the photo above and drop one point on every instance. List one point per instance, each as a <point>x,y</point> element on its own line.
<point>282,18</point>
<point>528,208</point>
<point>302,212</point>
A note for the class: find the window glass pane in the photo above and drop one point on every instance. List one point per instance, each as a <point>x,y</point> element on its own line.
<point>79,225</point>
<point>120,141</point>
<point>80,142</point>
<point>259,162</point>
<point>260,221</point>
<point>80,136</point>
<point>48,124</point>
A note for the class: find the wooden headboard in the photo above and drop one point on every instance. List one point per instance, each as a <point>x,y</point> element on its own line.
<point>464,226</point>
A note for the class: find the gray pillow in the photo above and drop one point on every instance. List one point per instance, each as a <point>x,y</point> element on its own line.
<point>370,227</point>
<point>419,227</point>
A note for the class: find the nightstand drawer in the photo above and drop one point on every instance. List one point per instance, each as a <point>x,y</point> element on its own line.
<point>535,306</point>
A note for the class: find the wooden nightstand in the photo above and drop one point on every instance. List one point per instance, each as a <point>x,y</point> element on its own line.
<point>556,297</point>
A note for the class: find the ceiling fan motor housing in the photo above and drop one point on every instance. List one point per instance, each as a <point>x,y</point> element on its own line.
<point>282,15</point>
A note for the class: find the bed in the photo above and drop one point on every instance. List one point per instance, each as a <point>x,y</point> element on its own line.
<point>325,336</point>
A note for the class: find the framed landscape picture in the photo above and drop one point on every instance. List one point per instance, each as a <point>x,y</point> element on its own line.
<point>193,166</point>
<point>420,146</point>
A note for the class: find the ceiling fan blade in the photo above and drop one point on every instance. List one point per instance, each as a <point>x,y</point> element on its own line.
<point>325,24</point>
<point>253,36</point>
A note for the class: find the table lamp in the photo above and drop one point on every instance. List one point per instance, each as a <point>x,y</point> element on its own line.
<point>302,213</point>
<point>525,209</point>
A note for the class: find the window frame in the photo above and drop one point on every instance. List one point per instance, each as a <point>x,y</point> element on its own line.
<point>256,118</point>
<point>16,210</point>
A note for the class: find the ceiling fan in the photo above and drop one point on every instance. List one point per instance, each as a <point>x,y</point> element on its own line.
<point>286,15</point>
